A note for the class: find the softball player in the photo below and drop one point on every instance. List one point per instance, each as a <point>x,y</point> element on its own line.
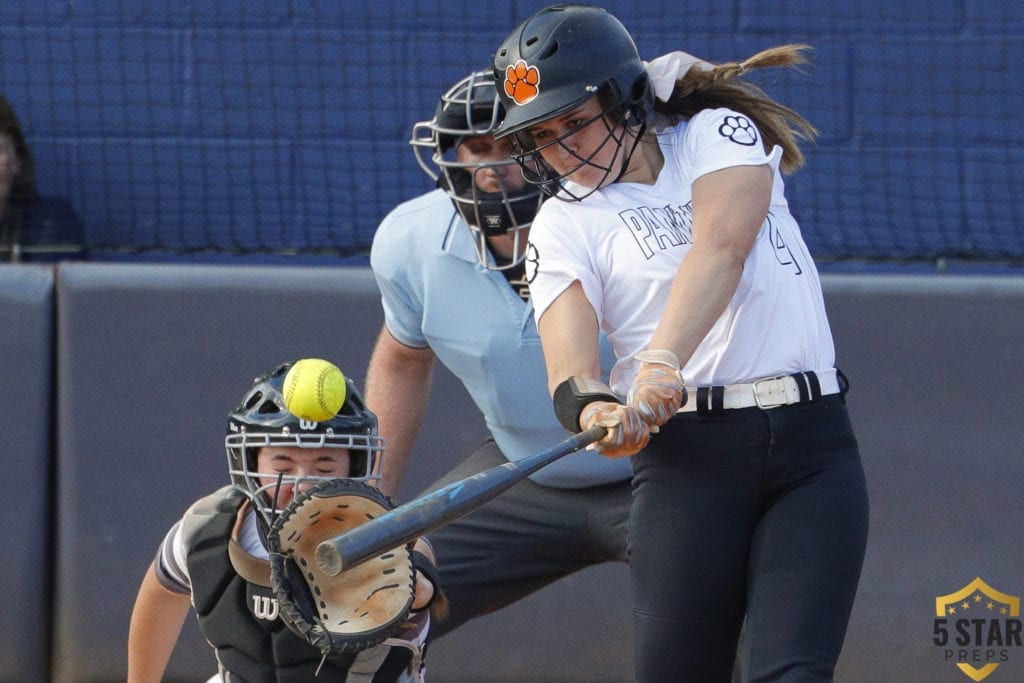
<point>450,268</point>
<point>215,558</point>
<point>672,234</point>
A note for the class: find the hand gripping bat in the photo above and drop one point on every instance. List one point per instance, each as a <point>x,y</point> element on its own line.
<point>437,508</point>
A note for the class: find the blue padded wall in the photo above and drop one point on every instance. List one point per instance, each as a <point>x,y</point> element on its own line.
<point>26,475</point>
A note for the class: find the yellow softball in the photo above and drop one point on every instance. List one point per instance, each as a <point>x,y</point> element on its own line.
<point>314,389</point>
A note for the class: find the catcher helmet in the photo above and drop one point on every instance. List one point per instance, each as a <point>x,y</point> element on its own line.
<point>471,108</point>
<point>263,419</point>
<point>554,62</point>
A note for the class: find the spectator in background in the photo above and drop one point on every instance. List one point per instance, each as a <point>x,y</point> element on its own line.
<point>17,176</point>
<point>31,227</point>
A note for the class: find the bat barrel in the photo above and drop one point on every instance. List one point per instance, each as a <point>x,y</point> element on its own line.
<point>430,511</point>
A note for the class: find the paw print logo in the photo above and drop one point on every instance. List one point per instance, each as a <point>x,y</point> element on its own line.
<point>740,130</point>
<point>521,81</point>
<point>532,262</point>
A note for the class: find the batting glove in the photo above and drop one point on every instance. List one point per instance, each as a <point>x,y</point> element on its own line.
<point>627,431</point>
<point>657,392</point>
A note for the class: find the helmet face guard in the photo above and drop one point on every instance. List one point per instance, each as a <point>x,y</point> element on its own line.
<point>468,109</point>
<point>263,420</point>
<point>617,136</point>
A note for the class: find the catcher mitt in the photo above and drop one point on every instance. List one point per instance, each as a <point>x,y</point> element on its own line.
<point>360,607</point>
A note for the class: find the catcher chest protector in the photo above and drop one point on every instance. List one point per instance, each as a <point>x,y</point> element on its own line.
<point>240,619</point>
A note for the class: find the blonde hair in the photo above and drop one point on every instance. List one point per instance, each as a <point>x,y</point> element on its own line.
<point>722,85</point>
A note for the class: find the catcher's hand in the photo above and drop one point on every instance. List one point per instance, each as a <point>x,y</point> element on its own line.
<point>360,607</point>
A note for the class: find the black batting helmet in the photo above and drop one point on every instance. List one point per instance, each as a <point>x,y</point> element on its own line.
<point>471,108</point>
<point>562,56</point>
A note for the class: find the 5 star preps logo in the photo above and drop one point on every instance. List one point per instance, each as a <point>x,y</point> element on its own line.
<point>976,627</point>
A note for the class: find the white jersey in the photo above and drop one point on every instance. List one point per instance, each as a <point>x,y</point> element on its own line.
<point>624,244</point>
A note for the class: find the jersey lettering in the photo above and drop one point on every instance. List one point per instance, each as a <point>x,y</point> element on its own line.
<point>783,254</point>
<point>264,607</point>
<point>657,229</point>
<point>521,287</point>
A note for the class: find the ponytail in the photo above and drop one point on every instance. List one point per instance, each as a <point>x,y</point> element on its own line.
<point>722,85</point>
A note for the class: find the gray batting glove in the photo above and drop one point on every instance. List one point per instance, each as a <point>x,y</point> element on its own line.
<point>657,392</point>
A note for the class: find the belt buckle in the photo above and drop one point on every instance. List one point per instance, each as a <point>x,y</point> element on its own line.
<point>767,404</point>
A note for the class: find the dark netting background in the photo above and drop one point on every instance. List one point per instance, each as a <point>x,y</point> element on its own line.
<point>264,126</point>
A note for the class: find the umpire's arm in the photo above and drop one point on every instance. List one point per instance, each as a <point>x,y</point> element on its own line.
<point>397,392</point>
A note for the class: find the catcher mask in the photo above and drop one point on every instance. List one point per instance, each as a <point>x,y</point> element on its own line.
<point>262,420</point>
<point>471,109</point>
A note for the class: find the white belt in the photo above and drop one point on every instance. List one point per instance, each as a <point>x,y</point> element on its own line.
<point>770,392</point>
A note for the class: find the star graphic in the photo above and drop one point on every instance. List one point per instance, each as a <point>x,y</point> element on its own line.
<point>989,605</point>
<point>977,598</point>
<point>952,610</point>
<point>965,604</point>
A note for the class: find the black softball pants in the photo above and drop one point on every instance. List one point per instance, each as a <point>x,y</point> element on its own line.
<point>748,512</point>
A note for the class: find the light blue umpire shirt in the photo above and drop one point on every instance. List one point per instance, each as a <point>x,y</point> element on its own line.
<point>435,293</point>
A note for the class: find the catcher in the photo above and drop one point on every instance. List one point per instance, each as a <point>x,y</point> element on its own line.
<point>236,555</point>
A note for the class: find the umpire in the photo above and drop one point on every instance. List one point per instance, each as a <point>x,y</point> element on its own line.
<point>450,267</point>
